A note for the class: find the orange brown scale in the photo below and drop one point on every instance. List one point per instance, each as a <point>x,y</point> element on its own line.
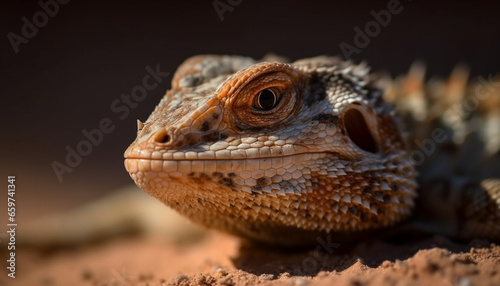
<point>276,152</point>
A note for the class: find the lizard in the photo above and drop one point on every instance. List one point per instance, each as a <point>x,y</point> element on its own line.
<point>283,152</point>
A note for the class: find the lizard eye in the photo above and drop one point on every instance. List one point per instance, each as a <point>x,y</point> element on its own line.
<point>265,100</point>
<point>264,95</point>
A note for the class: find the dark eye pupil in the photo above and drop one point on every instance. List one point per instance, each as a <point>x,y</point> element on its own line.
<point>266,99</point>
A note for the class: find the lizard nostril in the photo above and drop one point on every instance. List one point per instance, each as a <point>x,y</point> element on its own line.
<point>161,136</point>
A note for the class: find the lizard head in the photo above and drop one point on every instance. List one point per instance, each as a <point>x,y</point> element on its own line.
<point>273,151</point>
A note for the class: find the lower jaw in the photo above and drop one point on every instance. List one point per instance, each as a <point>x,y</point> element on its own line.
<point>263,218</point>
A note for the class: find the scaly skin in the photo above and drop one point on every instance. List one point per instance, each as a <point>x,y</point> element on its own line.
<point>275,152</point>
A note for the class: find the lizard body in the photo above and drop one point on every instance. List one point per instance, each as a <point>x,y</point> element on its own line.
<point>283,152</point>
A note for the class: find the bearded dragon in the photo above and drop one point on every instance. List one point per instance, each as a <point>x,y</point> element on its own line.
<point>282,153</point>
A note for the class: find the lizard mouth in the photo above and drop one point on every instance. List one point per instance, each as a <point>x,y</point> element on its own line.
<point>139,159</point>
<point>177,167</point>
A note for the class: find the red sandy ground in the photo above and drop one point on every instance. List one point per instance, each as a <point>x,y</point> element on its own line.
<point>218,259</point>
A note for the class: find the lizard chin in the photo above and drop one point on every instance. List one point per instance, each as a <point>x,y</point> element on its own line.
<point>268,204</point>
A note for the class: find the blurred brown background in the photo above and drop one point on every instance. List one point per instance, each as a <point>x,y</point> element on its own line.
<point>66,77</point>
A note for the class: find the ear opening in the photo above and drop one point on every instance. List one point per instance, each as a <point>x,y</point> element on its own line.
<point>359,131</point>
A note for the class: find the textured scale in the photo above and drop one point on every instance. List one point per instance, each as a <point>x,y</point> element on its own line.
<point>283,152</point>
<point>459,193</point>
